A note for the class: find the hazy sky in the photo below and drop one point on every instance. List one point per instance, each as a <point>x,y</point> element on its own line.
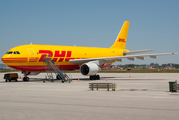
<point>154,24</point>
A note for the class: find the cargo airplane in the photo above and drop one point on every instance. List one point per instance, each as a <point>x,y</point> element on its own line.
<point>29,58</point>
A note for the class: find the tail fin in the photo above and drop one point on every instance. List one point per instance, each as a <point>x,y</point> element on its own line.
<point>122,37</point>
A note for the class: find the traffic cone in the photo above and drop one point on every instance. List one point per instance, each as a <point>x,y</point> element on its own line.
<point>78,80</point>
<point>106,79</point>
<point>129,76</point>
<point>22,78</point>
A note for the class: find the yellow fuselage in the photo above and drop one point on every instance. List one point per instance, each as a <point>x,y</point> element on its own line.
<point>30,57</point>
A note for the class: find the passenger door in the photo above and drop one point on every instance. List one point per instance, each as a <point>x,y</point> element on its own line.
<point>31,53</point>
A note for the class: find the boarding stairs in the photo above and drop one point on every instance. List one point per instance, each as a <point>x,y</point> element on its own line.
<point>50,68</point>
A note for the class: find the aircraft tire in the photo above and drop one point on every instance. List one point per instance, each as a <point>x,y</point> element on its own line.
<point>94,77</point>
<point>97,77</point>
<point>26,79</point>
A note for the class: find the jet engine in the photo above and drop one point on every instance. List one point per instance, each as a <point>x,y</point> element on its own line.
<point>89,69</point>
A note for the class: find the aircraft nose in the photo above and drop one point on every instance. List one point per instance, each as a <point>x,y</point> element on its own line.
<point>5,58</point>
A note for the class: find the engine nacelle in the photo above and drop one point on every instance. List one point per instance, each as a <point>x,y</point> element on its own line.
<point>89,69</point>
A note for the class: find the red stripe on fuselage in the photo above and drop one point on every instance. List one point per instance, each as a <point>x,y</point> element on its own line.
<point>42,68</point>
<point>14,59</point>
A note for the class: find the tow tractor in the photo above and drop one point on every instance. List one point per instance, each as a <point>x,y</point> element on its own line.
<point>10,76</point>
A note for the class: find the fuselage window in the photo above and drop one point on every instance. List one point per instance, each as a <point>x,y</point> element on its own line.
<point>14,52</point>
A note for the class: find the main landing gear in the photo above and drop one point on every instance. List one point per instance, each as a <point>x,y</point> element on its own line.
<point>94,77</point>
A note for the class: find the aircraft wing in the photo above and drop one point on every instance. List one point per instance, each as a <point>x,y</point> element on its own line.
<point>138,51</point>
<point>119,58</point>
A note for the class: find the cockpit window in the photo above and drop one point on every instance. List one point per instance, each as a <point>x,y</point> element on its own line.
<point>13,52</point>
<point>10,52</point>
<point>18,52</point>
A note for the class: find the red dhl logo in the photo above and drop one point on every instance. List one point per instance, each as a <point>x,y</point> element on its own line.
<point>59,56</point>
<point>121,40</point>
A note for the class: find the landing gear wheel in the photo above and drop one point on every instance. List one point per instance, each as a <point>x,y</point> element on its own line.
<point>94,77</point>
<point>26,79</point>
<point>63,81</point>
<point>97,77</point>
<point>91,77</point>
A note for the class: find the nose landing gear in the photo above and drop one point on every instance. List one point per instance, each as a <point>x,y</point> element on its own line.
<point>25,75</point>
<point>26,79</point>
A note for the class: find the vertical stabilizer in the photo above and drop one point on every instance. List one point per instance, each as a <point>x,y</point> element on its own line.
<point>122,37</point>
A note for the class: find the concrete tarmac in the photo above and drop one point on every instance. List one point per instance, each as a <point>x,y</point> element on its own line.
<point>139,96</point>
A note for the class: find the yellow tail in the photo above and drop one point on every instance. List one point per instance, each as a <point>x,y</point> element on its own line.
<point>122,37</point>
